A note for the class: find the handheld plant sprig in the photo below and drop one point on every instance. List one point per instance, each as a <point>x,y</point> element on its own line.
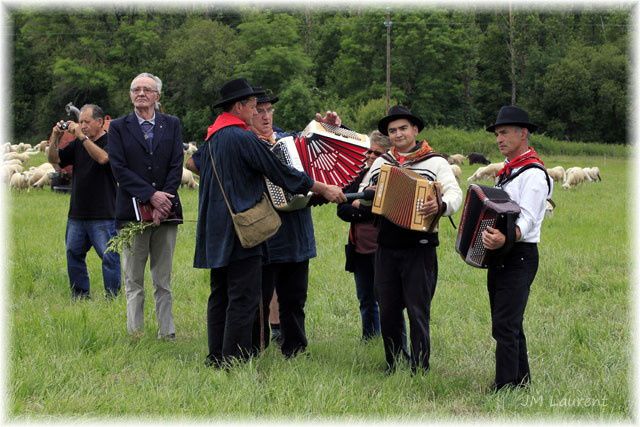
<point>125,236</point>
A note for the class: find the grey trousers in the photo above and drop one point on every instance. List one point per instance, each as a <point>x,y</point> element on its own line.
<point>158,244</point>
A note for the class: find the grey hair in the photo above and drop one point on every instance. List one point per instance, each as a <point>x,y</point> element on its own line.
<point>151,76</point>
<point>96,112</point>
<point>377,137</point>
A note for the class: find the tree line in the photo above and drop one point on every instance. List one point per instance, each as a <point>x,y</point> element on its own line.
<point>570,69</point>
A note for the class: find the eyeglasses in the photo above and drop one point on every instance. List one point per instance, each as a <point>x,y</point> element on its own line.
<point>142,89</point>
<point>374,152</point>
<point>262,111</point>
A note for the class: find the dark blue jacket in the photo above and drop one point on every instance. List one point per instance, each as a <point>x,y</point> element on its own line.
<point>241,161</point>
<point>141,171</point>
<point>295,240</point>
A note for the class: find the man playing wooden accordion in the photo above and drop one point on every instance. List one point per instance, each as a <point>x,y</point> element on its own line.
<point>406,267</point>
<point>509,281</point>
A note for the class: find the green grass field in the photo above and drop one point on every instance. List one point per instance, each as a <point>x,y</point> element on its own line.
<point>75,360</point>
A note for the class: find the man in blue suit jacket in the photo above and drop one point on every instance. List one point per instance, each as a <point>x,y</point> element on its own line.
<point>146,155</point>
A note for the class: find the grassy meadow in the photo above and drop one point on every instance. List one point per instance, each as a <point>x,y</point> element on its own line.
<point>75,360</point>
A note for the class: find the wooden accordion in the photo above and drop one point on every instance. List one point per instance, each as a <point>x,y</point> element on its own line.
<point>329,154</point>
<point>485,207</point>
<point>400,193</point>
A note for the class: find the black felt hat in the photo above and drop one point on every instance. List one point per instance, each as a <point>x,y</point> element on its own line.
<point>399,112</point>
<point>266,97</point>
<point>236,90</point>
<point>512,115</point>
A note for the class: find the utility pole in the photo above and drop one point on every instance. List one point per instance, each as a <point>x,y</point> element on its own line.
<point>387,23</point>
<point>512,54</point>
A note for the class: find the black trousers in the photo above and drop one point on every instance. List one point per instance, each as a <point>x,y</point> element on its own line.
<point>235,293</point>
<point>291,282</point>
<point>406,278</point>
<point>509,285</point>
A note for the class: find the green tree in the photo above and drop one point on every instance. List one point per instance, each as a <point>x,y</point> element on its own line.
<point>274,55</point>
<point>200,56</point>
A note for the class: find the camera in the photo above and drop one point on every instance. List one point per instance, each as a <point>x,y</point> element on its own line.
<point>63,125</point>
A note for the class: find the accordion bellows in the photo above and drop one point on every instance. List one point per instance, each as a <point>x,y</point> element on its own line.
<point>328,154</point>
<point>400,193</point>
<point>484,207</point>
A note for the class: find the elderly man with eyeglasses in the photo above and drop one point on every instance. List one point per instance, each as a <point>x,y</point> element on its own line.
<point>287,270</point>
<point>146,155</point>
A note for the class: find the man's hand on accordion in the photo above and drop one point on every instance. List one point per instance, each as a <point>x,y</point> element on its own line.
<point>332,193</point>
<point>493,239</point>
<point>330,118</point>
<point>430,207</point>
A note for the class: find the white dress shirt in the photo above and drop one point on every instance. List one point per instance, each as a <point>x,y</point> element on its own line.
<point>530,191</point>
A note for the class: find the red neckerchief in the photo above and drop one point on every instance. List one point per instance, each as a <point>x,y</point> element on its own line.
<point>526,158</point>
<point>224,120</point>
<point>424,149</point>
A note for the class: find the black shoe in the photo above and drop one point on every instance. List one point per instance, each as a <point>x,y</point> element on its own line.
<point>212,362</point>
<point>77,294</point>
<point>390,369</point>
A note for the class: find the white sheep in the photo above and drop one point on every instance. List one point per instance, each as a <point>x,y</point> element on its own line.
<point>573,177</point>
<point>556,173</point>
<point>36,174</point>
<point>7,171</point>
<point>486,172</point>
<point>457,172</point>
<point>456,159</point>
<point>593,174</point>
<point>12,162</point>
<point>19,181</point>
<point>188,179</point>
<point>42,145</point>
<point>13,155</point>
<point>191,148</point>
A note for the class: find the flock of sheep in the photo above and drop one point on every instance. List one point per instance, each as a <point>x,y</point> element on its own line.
<point>13,173</point>
<point>569,178</point>
<point>15,156</point>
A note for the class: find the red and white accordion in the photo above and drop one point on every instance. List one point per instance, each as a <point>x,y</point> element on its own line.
<point>329,154</point>
<point>485,207</point>
<point>400,193</point>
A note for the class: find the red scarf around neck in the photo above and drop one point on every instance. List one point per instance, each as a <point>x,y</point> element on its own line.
<point>419,153</point>
<point>224,120</point>
<point>526,158</point>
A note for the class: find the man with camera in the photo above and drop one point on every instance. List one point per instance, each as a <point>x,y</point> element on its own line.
<point>93,195</point>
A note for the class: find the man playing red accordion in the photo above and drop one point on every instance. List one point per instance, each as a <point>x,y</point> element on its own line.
<point>525,180</point>
<point>406,266</point>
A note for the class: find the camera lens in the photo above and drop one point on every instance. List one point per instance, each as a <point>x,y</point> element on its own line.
<point>63,125</point>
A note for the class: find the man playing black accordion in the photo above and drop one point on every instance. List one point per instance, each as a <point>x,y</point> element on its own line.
<point>406,267</point>
<point>509,280</point>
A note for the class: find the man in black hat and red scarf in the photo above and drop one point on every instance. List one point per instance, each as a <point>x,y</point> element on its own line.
<point>525,180</point>
<point>241,161</point>
<point>406,265</point>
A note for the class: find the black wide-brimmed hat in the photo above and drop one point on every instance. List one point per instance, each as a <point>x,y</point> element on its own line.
<point>512,115</point>
<point>266,97</point>
<point>236,90</point>
<point>399,112</point>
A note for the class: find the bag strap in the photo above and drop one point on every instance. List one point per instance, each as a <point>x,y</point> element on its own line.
<point>213,163</point>
<point>506,179</point>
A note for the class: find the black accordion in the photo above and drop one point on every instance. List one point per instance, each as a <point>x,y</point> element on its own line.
<point>282,200</point>
<point>485,207</point>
